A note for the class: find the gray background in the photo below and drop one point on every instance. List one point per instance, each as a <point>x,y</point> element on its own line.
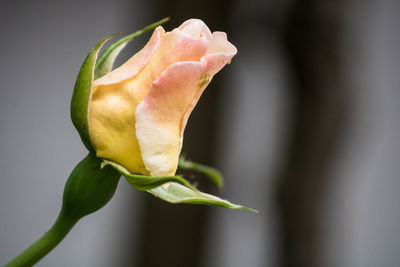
<point>42,46</point>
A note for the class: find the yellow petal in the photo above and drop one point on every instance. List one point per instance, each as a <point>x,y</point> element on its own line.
<point>116,95</point>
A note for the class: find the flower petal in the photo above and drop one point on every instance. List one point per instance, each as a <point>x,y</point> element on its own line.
<point>195,27</point>
<point>220,44</point>
<point>131,67</point>
<point>161,117</point>
<point>218,40</point>
<point>117,94</point>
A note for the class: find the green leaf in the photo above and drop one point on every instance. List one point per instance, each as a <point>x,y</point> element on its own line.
<point>107,58</point>
<point>81,94</point>
<point>210,172</point>
<point>176,193</point>
<point>144,182</point>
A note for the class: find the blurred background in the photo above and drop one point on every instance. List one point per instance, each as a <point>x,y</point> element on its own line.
<point>304,124</point>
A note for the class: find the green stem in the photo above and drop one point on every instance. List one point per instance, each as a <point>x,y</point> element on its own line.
<point>88,189</point>
<point>46,243</point>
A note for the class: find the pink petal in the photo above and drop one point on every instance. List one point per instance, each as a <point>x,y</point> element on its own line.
<point>195,27</point>
<point>161,117</point>
<point>131,67</point>
<point>218,40</point>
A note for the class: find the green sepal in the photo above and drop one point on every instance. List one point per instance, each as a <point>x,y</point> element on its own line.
<point>210,172</point>
<point>144,182</point>
<point>81,94</point>
<point>175,190</point>
<point>106,60</point>
<point>92,69</point>
<point>176,193</point>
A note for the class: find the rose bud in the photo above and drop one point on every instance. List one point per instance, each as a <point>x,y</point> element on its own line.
<point>137,113</point>
<point>133,117</point>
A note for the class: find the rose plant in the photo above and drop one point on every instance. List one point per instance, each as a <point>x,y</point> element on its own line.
<point>132,121</point>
